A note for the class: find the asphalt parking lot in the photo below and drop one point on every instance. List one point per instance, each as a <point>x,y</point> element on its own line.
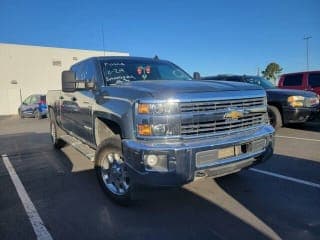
<point>279,199</point>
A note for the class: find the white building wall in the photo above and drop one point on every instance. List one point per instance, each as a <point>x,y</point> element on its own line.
<point>33,70</point>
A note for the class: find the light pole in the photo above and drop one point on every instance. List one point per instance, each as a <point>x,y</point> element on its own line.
<point>307,46</point>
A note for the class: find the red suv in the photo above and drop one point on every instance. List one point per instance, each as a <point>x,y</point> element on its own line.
<point>309,81</point>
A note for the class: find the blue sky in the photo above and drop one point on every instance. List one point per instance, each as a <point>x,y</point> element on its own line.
<point>208,36</point>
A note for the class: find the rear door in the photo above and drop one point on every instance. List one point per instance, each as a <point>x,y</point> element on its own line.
<point>293,81</point>
<point>314,82</point>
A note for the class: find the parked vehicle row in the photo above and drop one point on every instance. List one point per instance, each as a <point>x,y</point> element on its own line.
<point>33,106</point>
<point>309,81</point>
<point>146,121</point>
<point>284,105</point>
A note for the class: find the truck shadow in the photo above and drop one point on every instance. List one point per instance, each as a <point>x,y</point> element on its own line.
<point>64,189</point>
<point>313,126</point>
<point>291,209</point>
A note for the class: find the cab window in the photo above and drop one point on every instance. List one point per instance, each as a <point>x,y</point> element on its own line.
<point>85,71</point>
<point>314,80</point>
<point>293,80</point>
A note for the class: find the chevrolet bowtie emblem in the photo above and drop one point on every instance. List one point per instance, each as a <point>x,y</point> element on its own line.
<point>233,115</point>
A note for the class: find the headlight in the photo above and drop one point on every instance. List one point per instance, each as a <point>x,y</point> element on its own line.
<point>300,101</point>
<point>311,102</point>
<point>296,101</point>
<point>157,119</point>
<point>158,108</point>
<point>162,129</point>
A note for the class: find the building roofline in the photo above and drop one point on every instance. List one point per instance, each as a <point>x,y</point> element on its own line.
<point>61,48</point>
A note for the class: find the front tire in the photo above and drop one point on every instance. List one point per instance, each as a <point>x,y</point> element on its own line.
<point>112,171</point>
<point>37,115</point>
<point>20,114</point>
<point>275,117</point>
<point>57,143</point>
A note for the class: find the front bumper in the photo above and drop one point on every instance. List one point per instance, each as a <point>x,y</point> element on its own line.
<point>183,164</point>
<point>299,115</point>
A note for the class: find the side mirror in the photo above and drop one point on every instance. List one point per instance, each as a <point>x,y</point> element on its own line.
<point>196,76</point>
<point>68,81</point>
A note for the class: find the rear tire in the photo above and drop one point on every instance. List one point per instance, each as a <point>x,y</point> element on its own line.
<point>275,117</point>
<point>111,171</point>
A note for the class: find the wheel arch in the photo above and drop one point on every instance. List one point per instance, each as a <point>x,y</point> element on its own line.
<point>278,106</point>
<point>105,128</point>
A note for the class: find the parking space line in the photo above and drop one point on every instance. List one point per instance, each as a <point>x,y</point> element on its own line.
<point>298,138</point>
<point>311,184</point>
<point>33,215</point>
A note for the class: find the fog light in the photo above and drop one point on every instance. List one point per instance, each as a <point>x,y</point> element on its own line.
<point>151,160</point>
<point>155,162</point>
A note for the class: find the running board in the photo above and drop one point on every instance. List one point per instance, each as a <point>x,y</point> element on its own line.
<point>79,146</point>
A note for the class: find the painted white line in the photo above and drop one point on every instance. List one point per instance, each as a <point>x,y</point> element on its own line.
<point>296,180</point>
<point>298,138</point>
<point>36,222</point>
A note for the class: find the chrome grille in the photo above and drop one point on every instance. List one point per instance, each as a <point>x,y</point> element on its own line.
<point>217,105</point>
<point>201,124</point>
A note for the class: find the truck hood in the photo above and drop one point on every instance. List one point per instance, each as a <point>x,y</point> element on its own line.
<point>174,88</point>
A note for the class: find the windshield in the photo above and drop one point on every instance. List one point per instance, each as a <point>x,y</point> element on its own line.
<point>118,71</point>
<point>266,84</point>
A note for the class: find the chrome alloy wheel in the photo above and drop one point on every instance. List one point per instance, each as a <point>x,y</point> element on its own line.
<point>114,174</point>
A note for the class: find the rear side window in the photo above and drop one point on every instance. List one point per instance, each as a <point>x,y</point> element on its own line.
<point>43,98</point>
<point>293,80</point>
<point>314,80</point>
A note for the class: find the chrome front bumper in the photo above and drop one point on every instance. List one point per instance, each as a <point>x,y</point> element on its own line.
<point>183,156</point>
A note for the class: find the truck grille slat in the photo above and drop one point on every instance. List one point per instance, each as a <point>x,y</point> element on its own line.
<point>201,126</point>
<point>216,105</point>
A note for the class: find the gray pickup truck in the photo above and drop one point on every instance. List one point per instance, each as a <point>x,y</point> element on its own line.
<point>146,121</point>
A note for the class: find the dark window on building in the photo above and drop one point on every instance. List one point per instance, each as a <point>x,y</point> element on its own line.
<point>314,80</point>
<point>293,80</point>
<point>56,63</point>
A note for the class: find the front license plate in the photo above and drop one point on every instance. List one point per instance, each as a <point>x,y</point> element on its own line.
<point>226,152</point>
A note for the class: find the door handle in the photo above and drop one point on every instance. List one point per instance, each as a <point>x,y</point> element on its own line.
<point>61,97</point>
<point>74,99</point>
<point>85,102</point>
